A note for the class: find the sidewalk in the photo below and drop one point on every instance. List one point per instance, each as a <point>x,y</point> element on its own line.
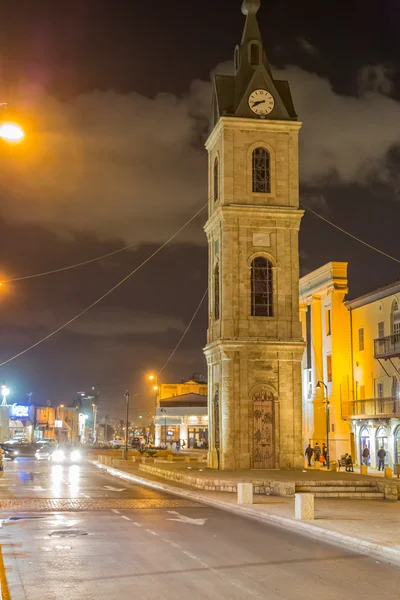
<point>370,527</point>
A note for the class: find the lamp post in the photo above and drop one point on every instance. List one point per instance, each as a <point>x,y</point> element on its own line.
<point>127,423</point>
<point>327,420</point>
<point>94,406</point>
<point>164,412</point>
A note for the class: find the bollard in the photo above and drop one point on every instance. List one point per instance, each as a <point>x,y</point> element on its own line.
<point>170,458</point>
<point>317,465</point>
<point>363,470</point>
<point>304,507</point>
<point>245,493</point>
<point>388,472</point>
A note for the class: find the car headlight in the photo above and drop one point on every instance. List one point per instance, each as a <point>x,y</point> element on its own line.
<point>75,455</point>
<point>16,452</point>
<point>58,455</point>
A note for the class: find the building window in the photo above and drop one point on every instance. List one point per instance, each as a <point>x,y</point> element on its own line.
<point>216,180</point>
<point>254,54</point>
<point>261,288</point>
<point>328,322</point>
<point>395,387</point>
<point>379,390</point>
<point>329,368</point>
<point>381,329</point>
<point>361,339</point>
<point>237,59</point>
<point>261,171</point>
<point>362,392</point>
<point>216,293</point>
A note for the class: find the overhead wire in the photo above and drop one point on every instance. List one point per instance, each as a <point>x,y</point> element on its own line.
<point>184,333</point>
<point>349,234</point>
<point>110,291</point>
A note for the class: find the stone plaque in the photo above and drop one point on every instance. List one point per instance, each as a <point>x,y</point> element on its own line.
<point>262,239</point>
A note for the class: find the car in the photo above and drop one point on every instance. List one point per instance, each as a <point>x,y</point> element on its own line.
<point>117,443</point>
<point>45,441</point>
<point>44,452</point>
<point>65,455</point>
<point>10,453</point>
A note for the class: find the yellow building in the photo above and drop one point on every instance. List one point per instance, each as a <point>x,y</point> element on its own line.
<point>353,350</point>
<point>374,411</point>
<point>196,385</point>
<point>326,363</point>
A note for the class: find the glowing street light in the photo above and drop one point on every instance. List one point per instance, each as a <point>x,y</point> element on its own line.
<point>4,392</point>
<point>11,132</point>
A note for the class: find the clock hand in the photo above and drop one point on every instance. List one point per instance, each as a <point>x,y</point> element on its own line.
<point>257,103</point>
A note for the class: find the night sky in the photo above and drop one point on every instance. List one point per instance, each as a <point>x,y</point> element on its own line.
<point>115,97</point>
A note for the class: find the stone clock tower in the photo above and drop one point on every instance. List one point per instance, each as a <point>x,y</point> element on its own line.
<point>254,344</point>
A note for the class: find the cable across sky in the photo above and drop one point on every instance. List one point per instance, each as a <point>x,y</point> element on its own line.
<point>110,291</point>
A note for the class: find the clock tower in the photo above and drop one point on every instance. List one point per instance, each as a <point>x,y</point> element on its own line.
<point>254,341</point>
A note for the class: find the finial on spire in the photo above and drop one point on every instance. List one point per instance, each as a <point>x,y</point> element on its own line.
<point>251,7</point>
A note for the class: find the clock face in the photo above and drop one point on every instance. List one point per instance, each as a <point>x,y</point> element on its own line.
<point>261,102</point>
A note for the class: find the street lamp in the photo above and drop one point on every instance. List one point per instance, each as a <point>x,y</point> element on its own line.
<point>327,420</point>
<point>4,392</point>
<point>127,423</point>
<point>11,132</point>
<point>94,407</point>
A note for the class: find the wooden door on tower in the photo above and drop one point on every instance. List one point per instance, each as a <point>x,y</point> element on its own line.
<point>263,430</point>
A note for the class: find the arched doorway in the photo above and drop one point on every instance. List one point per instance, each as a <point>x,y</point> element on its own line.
<point>397,445</point>
<point>365,440</point>
<point>381,441</point>
<point>263,430</point>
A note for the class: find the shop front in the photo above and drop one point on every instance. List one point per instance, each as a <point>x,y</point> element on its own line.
<point>186,425</point>
<point>376,434</point>
<point>20,422</point>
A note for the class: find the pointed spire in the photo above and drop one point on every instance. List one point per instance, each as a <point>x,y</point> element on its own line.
<point>251,7</point>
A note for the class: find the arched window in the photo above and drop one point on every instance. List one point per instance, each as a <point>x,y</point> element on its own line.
<point>396,321</point>
<point>216,180</point>
<point>261,288</point>
<point>261,171</point>
<point>216,293</point>
<point>254,54</point>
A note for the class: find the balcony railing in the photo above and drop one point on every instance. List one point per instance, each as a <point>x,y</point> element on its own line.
<point>387,347</point>
<point>375,407</point>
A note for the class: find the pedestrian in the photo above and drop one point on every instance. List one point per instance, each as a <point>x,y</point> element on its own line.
<point>317,453</point>
<point>381,457</point>
<point>365,455</point>
<point>349,464</point>
<point>308,453</point>
<point>324,454</point>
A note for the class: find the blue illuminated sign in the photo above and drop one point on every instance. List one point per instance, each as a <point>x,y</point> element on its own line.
<point>18,411</point>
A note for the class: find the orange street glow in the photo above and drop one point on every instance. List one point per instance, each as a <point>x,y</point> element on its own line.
<point>11,132</point>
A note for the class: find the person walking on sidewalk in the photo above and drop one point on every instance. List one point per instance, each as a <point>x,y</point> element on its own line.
<point>365,456</point>
<point>324,454</point>
<point>317,453</point>
<point>308,453</point>
<point>381,457</point>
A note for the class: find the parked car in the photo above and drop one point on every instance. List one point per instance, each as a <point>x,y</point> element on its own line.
<point>45,441</point>
<point>117,443</point>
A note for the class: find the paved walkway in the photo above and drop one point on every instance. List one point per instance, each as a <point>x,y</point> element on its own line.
<point>370,526</point>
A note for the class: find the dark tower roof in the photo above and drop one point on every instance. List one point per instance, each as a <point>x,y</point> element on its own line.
<point>251,71</point>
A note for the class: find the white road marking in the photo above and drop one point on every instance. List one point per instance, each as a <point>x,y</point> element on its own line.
<point>184,519</point>
<point>113,489</point>
<point>137,524</point>
<point>84,495</point>
<point>126,518</point>
<point>114,510</point>
<point>152,532</point>
<point>39,488</point>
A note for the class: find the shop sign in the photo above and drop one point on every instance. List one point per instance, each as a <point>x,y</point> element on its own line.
<point>57,424</point>
<point>18,411</point>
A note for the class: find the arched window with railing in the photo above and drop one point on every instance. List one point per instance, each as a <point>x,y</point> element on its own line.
<point>262,288</point>
<point>216,180</point>
<point>216,293</point>
<point>261,171</point>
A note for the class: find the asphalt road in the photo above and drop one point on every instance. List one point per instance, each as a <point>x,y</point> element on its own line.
<point>174,551</point>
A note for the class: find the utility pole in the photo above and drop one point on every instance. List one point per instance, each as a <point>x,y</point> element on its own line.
<point>127,424</point>
<point>327,421</point>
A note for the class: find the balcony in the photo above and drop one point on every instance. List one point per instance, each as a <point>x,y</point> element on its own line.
<point>383,408</point>
<point>387,347</point>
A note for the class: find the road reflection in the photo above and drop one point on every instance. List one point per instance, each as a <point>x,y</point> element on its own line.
<point>67,475</point>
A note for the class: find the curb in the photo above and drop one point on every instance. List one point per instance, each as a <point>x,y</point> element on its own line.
<point>376,551</point>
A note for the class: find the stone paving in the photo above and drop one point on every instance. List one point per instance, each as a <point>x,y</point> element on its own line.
<point>78,504</point>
